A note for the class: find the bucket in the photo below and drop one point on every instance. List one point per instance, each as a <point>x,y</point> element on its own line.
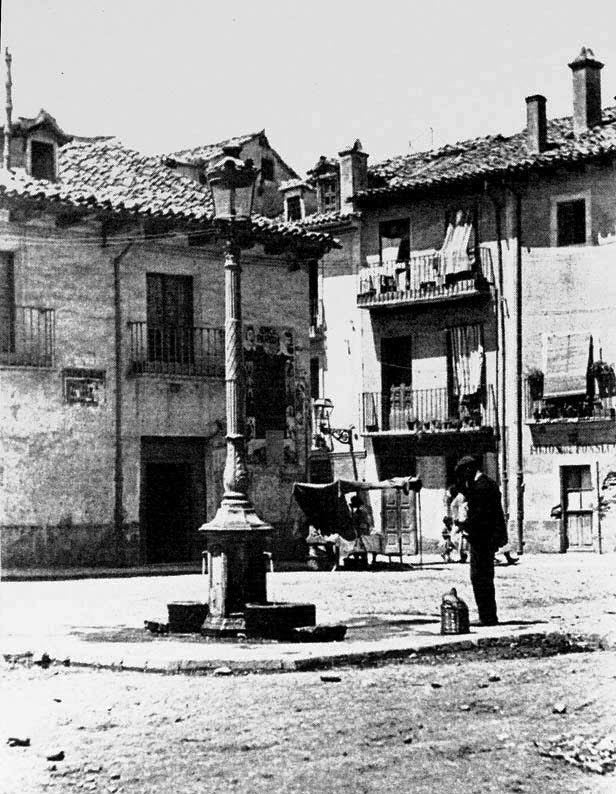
<point>186,617</point>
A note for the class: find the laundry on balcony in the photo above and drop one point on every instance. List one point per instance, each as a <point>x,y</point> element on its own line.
<point>455,259</point>
<point>467,361</point>
<point>568,363</point>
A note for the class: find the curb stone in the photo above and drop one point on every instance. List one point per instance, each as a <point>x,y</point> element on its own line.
<point>278,662</point>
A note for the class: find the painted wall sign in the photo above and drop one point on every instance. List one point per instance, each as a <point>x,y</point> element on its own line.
<point>572,449</point>
<point>84,386</point>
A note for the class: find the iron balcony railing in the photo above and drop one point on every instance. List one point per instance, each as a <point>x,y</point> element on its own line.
<point>425,277</point>
<point>427,410</point>
<point>571,409</point>
<point>176,350</point>
<point>27,337</point>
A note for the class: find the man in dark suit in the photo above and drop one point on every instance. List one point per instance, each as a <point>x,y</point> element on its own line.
<point>486,531</point>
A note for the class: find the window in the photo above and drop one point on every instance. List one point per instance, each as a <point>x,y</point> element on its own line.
<point>314,378</point>
<point>42,160</point>
<point>169,318</point>
<point>313,292</point>
<point>7,303</point>
<point>571,222</point>
<point>395,237</point>
<point>328,191</point>
<point>577,486</point>
<point>294,208</point>
<point>267,169</point>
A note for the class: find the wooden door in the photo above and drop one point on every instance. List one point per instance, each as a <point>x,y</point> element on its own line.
<point>169,301</point>
<point>577,498</point>
<point>399,522</point>
<point>396,370</point>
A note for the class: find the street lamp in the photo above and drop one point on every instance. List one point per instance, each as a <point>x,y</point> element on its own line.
<point>323,409</point>
<point>235,538</point>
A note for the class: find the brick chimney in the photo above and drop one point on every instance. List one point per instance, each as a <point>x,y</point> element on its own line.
<point>536,124</point>
<point>586,91</point>
<point>353,174</point>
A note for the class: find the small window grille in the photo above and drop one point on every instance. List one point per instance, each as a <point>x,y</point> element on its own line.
<point>294,208</point>
<point>329,195</point>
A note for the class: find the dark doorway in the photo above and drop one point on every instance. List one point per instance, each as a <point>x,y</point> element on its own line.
<point>173,504</point>
<point>168,512</point>
<point>396,362</point>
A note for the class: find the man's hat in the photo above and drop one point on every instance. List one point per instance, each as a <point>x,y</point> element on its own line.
<point>467,460</point>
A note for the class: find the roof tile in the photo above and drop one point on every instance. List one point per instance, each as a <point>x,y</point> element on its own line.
<point>491,156</point>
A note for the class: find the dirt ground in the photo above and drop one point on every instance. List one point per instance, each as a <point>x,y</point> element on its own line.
<point>454,725</point>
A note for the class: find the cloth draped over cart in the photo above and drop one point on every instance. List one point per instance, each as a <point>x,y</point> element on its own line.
<point>326,509</point>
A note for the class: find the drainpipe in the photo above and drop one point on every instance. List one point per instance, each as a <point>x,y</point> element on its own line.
<point>502,359</point>
<point>118,478</point>
<point>518,374</point>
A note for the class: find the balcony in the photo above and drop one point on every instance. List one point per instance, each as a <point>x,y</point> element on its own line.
<point>426,411</point>
<point>562,423</point>
<point>572,410</point>
<point>27,337</point>
<point>176,350</point>
<point>425,278</point>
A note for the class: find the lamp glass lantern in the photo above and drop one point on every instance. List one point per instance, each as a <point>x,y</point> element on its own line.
<point>232,182</point>
<point>323,408</point>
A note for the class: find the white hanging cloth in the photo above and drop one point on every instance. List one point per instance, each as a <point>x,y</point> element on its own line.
<point>467,359</point>
<point>454,251</point>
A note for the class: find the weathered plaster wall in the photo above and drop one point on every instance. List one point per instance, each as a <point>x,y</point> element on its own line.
<point>57,485</point>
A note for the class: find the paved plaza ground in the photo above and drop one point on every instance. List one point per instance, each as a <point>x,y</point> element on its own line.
<point>455,723</point>
<point>572,589</point>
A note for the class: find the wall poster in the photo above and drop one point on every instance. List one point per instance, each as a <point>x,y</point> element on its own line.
<point>274,401</point>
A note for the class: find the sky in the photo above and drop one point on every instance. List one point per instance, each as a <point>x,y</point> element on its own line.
<point>400,75</point>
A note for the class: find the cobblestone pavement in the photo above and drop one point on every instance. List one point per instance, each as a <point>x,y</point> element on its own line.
<point>577,589</point>
<point>450,726</point>
<point>376,730</point>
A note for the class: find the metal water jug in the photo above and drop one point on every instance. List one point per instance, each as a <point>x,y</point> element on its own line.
<point>454,614</point>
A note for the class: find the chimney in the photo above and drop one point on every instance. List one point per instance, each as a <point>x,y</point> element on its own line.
<point>353,173</point>
<point>536,124</point>
<point>586,91</point>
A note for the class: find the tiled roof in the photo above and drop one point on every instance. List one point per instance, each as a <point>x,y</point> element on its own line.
<point>204,154</point>
<point>102,173</point>
<point>332,218</point>
<point>296,182</point>
<point>23,125</point>
<point>127,180</point>
<point>492,156</point>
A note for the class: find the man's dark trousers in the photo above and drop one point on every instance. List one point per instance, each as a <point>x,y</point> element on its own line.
<point>482,580</point>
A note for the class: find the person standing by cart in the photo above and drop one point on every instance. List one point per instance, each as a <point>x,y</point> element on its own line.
<point>454,533</point>
<point>486,531</point>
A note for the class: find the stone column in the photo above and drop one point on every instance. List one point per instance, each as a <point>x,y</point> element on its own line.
<point>235,538</point>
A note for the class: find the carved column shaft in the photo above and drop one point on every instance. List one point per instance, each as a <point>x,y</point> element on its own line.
<point>235,476</point>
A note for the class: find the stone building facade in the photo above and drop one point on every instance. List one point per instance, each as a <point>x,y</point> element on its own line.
<point>476,271</point>
<point>112,394</point>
